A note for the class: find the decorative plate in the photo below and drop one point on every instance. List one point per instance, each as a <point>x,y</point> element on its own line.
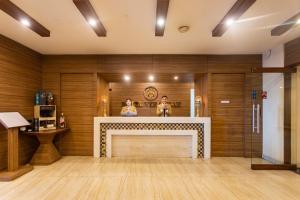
<point>150,93</point>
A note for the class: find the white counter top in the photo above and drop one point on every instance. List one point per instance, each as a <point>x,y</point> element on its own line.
<point>152,119</point>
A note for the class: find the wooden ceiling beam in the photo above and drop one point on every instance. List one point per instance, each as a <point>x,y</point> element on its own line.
<point>18,14</point>
<point>286,26</point>
<point>162,7</point>
<point>237,10</point>
<point>88,12</point>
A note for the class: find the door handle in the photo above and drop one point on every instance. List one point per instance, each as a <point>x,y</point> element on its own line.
<point>258,119</point>
<point>253,118</point>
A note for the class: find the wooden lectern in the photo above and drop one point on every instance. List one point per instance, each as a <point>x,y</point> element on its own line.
<point>12,121</point>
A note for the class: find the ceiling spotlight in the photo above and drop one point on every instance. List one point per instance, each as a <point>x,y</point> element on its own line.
<point>298,21</point>
<point>160,21</point>
<point>230,22</point>
<point>176,78</point>
<point>127,78</point>
<point>92,22</point>
<point>151,78</point>
<point>25,22</point>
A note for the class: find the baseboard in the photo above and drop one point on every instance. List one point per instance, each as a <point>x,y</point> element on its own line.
<point>271,160</point>
<point>273,167</point>
<point>12,175</point>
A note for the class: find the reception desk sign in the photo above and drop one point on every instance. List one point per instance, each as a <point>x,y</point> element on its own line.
<point>147,104</point>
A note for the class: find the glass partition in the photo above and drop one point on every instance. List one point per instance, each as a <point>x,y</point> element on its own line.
<point>272,136</point>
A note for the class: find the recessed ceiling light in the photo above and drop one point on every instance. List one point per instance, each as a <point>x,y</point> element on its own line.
<point>127,78</point>
<point>176,78</point>
<point>160,21</point>
<point>25,22</point>
<point>151,78</point>
<point>230,22</point>
<point>92,22</point>
<point>298,21</point>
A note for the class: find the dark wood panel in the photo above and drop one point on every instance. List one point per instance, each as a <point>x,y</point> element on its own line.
<point>201,89</point>
<point>79,110</point>
<point>20,78</point>
<point>274,70</point>
<point>143,77</point>
<point>228,119</point>
<point>292,53</point>
<point>233,63</point>
<point>179,63</point>
<point>287,118</point>
<point>70,63</point>
<point>125,63</point>
<point>151,63</point>
<point>103,103</point>
<point>273,167</point>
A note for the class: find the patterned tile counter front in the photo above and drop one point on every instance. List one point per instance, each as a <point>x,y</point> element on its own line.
<point>197,127</point>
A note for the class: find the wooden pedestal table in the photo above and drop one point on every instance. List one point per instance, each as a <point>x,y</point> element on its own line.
<point>12,121</point>
<point>46,152</point>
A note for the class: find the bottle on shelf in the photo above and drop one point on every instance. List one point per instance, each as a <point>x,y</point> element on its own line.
<point>62,123</point>
<point>37,98</point>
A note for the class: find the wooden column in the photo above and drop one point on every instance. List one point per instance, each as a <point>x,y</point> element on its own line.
<point>14,170</point>
<point>287,118</point>
<point>13,149</point>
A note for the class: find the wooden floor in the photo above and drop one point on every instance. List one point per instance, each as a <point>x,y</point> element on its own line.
<point>141,179</point>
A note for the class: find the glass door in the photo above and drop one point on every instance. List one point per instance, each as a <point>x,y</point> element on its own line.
<point>271,127</point>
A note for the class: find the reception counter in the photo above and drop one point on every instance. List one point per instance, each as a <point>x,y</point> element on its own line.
<point>198,129</point>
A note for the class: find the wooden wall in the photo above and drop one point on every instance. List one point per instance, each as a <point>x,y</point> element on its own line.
<point>239,64</point>
<point>78,103</point>
<point>20,78</point>
<point>201,89</point>
<point>228,118</point>
<point>292,53</point>
<point>55,66</point>
<point>175,91</point>
<point>103,103</point>
<point>231,123</point>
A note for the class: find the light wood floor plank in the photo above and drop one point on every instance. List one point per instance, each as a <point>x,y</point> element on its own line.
<point>87,178</point>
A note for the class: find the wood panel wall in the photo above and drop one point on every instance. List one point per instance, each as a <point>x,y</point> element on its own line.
<point>20,78</point>
<point>228,64</point>
<point>292,53</point>
<point>175,91</point>
<point>201,89</point>
<point>54,66</point>
<point>78,103</point>
<point>103,102</point>
<point>228,118</point>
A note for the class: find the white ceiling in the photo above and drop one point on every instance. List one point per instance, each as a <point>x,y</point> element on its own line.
<point>130,27</point>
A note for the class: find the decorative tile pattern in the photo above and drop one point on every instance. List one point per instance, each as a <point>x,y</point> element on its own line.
<point>152,126</point>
